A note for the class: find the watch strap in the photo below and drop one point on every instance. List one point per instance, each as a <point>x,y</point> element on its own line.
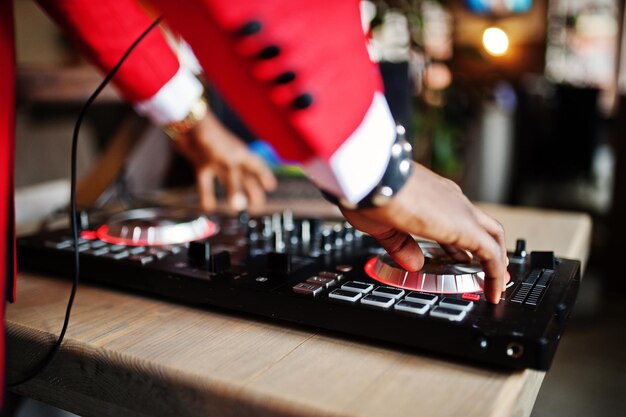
<point>198,112</point>
<point>396,174</point>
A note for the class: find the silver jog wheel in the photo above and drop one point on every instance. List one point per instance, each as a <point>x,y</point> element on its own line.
<point>156,227</point>
<point>440,274</point>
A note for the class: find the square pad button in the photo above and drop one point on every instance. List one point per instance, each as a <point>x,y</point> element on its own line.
<point>344,295</point>
<point>98,251</point>
<point>389,292</point>
<point>81,248</point>
<point>117,255</point>
<point>141,259</point>
<point>448,313</point>
<point>377,301</point>
<point>456,304</point>
<point>136,250</point>
<point>324,282</point>
<point>421,297</point>
<point>59,245</point>
<point>330,275</point>
<point>357,286</point>
<point>307,289</point>
<point>412,307</point>
<point>97,244</point>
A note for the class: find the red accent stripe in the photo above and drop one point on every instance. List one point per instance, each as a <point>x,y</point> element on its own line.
<point>89,234</point>
<point>7,129</point>
<point>471,296</point>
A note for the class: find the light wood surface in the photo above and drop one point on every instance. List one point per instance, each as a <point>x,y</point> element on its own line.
<point>130,355</point>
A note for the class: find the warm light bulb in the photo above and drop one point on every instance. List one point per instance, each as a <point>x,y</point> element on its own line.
<point>495,41</point>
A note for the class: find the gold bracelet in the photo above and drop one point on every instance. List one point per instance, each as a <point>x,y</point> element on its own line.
<point>197,113</point>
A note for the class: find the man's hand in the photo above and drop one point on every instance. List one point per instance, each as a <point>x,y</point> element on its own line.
<point>435,208</point>
<point>215,152</point>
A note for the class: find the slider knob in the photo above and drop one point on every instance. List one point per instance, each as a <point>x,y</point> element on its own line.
<point>338,234</point>
<point>327,240</point>
<point>251,231</point>
<point>82,220</point>
<point>520,248</point>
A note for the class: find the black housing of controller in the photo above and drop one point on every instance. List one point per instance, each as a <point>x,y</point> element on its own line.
<point>249,269</point>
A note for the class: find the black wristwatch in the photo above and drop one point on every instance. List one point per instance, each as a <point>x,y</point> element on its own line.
<point>396,174</point>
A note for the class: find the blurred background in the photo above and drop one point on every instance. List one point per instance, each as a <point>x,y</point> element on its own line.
<point>522,102</point>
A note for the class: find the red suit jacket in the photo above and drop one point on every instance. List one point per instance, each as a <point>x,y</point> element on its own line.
<point>296,71</point>
<point>299,74</point>
<point>104,30</point>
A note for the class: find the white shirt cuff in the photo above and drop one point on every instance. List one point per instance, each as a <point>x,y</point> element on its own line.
<point>360,162</point>
<point>174,100</point>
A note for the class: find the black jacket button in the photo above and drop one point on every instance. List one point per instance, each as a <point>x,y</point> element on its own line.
<point>268,52</point>
<point>250,28</point>
<point>303,101</point>
<point>285,78</point>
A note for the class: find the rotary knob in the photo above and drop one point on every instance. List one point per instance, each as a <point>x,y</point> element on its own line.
<point>201,255</point>
<point>279,262</point>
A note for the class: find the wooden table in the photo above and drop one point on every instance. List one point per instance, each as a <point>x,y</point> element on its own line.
<point>130,355</point>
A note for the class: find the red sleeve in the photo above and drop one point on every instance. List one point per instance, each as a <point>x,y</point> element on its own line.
<point>321,42</point>
<point>104,29</point>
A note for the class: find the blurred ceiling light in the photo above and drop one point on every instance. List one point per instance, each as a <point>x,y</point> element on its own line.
<point>495,41</point>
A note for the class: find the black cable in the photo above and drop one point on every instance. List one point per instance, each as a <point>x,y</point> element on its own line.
<point>73,212</point>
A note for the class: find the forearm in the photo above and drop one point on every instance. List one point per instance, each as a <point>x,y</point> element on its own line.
<point>151,78</point>
<point>314,95</point>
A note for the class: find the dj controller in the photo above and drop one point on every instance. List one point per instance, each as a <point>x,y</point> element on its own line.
<point>322,273</point>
